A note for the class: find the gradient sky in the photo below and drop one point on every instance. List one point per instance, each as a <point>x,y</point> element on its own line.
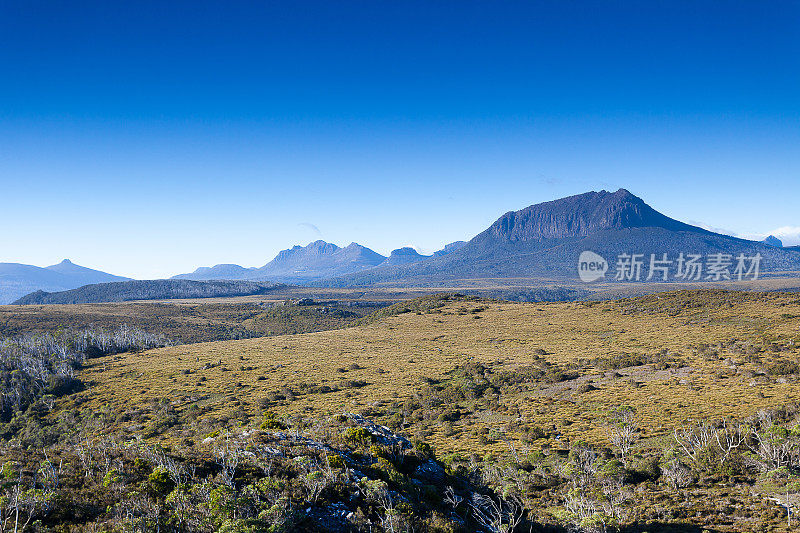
<point>149,138</point>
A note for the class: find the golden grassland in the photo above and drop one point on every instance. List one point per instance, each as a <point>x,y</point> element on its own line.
<point>726,341</point>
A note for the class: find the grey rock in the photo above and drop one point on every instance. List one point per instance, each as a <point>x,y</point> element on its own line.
<point>430,472</point>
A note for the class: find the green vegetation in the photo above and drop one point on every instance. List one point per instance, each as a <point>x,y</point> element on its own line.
<point>676,412</point>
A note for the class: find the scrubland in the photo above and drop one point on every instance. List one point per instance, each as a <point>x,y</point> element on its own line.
<point>674,411</point>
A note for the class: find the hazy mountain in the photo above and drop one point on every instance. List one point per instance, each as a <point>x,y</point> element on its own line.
<point>161,289</point>
<point>224,271</point>
<point>317,260</point>
<point>773,241</point>
<point>18,279</point>
<point>80,275</point>
<point>545,240</point>
<point>404,256</point>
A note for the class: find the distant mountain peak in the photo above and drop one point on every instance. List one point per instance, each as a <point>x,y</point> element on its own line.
<point>317,259</point>
<point>69,268</point>
<point>773,241</point>
<point>316,248</point>
<point>319,243</point>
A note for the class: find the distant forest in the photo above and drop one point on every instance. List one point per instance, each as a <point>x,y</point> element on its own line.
<point>162,289</point>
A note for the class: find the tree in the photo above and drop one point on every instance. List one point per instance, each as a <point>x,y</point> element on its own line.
<point>623,429</point>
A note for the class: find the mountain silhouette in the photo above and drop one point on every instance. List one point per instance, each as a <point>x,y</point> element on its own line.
<point>18,279</point>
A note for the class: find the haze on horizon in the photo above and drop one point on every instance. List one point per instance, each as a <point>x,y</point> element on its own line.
<point>146,140</point>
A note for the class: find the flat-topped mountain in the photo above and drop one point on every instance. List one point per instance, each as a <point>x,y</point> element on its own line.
<point>224,271</point>
<point>404,256</point>
<point>579,216</point>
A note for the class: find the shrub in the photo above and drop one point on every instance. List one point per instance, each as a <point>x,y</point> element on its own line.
<point>160,482</point>
<point>270,422</point>
<point>649,468</point>
<point>358,437</point>
<point>336,461</point>
<point>388,472</point>
<point>424,449</point>
<point>784,367</point>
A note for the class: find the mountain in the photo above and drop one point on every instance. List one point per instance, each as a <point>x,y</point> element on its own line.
<point>160,289</point>
<point>224,271</point>
<point>404,256</point>
<point>317,260</point>
<point>576,217</point>
<point>773,241</point>
<point>544,241</point>
<point>540,242</point>
<point>80,275</point>
<point>449,248</point>
<point>18,279</point>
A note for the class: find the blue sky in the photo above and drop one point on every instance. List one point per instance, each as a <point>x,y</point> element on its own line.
<point>150,138</point>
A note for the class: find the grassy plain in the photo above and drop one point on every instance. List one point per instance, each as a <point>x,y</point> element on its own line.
<point>673,356</point>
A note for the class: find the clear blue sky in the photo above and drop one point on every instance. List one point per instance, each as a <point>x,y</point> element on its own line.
<point>149,138</point>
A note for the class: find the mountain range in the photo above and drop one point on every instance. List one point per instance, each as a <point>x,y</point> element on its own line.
<point>540,242</point>
<point>317,261</point>
<point>544,241</point>
<point>299,264</point>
